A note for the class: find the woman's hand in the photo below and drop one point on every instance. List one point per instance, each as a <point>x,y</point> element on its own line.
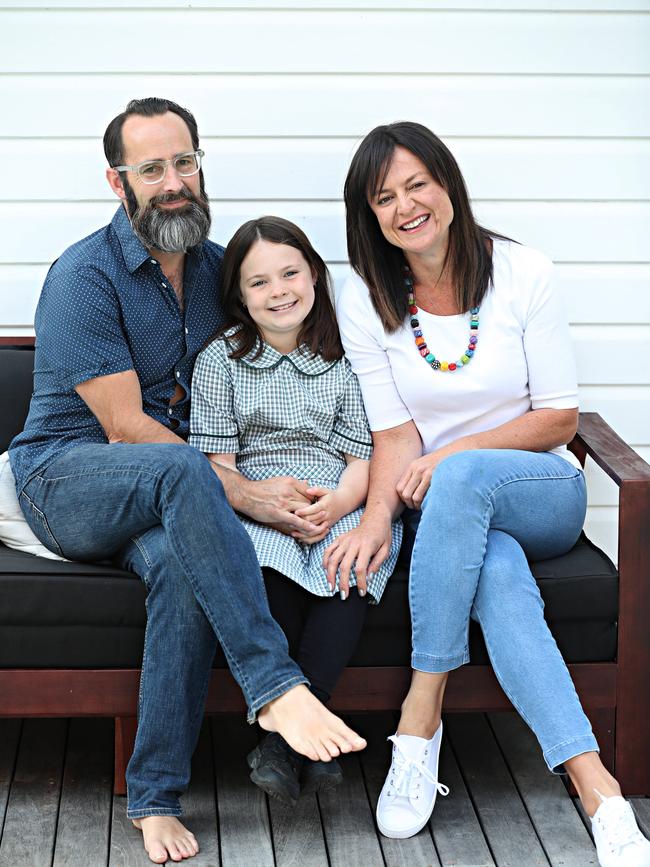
<point>365,548</point>
<point>414,484</point>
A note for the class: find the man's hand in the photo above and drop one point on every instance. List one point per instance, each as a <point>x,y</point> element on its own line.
<point>328,507</point>
<point>365,548</point>
<point>267,501</point>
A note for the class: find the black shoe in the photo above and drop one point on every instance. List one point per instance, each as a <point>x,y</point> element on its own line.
<point>320,776</point>
<point>275,768</point>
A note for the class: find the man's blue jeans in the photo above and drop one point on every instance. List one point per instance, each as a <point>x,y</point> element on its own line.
<point>160,510</point>
<point>485,511</point>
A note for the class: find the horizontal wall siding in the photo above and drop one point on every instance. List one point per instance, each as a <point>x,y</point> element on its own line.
<point>303,41</point>
<point>544,103</point>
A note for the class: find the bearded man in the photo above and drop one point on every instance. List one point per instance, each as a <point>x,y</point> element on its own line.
<point>103,470</point>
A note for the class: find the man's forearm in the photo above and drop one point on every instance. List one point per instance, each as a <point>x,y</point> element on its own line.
<point>141,428</point>
<point>235,486</point>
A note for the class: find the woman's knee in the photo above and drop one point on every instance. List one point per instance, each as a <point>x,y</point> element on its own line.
<point>505,579</point>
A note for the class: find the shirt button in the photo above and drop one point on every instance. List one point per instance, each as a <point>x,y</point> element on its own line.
<point>170,411</point>
<point>163,284</point>
<point>178,374</point>
<point>153,261</point>
<point>187,330</point>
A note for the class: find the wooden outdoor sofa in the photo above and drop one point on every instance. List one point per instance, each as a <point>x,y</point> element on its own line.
<point>71,634</point>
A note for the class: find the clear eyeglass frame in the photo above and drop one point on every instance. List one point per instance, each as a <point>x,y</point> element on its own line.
<point>154,171</point>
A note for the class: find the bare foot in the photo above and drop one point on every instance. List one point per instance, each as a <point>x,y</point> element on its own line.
<point>307,726</point>
<point>165,837</point>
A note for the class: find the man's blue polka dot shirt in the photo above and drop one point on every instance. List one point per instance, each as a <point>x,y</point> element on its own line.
<point>107,307</point>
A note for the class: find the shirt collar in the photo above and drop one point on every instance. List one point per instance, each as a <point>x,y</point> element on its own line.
<point>133,250</point>
<point>301,358</point>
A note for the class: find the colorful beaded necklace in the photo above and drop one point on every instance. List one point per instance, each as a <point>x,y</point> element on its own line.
<point>420,342</point>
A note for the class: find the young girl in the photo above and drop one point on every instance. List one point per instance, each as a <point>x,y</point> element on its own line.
<point>274,398</point>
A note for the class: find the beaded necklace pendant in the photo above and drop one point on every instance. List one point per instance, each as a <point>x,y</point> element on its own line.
<point>420,342</point>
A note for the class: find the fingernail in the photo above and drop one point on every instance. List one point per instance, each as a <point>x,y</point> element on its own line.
<point>343,595</point>
<point>371,575</point>
<point>331,586</point>
<point>361,591</point>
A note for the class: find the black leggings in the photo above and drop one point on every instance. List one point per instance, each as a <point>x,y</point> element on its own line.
<point>322,631</point>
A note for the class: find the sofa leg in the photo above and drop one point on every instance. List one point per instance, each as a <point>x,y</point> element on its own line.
<point>124,742</point>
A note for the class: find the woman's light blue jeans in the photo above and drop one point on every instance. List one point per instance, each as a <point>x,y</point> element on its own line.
<point>160,510</point>
<point>486,511</point>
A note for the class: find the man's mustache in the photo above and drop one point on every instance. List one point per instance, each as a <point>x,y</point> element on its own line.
<point>182,195</point>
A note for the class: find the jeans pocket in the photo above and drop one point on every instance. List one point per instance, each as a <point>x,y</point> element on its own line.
<point>38,524</point>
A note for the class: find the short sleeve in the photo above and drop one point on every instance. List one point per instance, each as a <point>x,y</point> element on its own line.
<point>363,339</point>
<point>83,337</point>
<point>351,433</point>
<point>213,428</point>
<point>552,379</point>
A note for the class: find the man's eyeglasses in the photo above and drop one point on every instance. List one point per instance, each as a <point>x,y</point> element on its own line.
<point>153,171</point>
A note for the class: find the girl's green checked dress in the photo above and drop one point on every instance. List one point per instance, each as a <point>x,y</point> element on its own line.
<point>285,415</point>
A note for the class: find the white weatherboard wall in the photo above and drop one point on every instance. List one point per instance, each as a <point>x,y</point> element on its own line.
<point>545,104</point>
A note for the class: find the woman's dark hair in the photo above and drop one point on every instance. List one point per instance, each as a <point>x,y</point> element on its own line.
<point>319,331</point>
<point>149,107</point>
<point>379,263</point>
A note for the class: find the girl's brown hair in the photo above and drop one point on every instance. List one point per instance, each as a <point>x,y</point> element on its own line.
<point>379,263</point>
<point>319,330</point>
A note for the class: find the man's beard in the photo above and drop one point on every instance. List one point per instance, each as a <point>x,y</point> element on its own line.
<point>170,231</point>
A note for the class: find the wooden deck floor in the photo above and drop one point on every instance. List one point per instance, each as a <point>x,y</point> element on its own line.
<point>57,808</point>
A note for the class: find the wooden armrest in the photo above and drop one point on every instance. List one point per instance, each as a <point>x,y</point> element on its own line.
<point>598,440</point>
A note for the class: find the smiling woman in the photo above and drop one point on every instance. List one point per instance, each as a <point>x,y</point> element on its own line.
<point>478,455</point>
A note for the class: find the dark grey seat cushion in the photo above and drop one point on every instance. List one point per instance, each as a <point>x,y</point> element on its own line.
<point>73,615</point>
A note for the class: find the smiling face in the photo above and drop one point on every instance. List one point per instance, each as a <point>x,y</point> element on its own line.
<point>173,214</point>
<point>277,287</point>
<point>414,212</point>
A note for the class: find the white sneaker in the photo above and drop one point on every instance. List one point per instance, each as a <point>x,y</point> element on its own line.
<point>619,843</point>
<point>409,793</point>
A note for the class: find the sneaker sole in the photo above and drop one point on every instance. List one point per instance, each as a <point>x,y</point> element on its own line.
<point>403,834</point>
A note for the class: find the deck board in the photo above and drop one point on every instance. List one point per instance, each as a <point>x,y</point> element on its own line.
<point>84,811</point>
<point>558,825</point>
<point>504,808</point>
<point>348,821</point>
<point>456,827</point>
<point>30,822</point>
<point>507,827</point>
<point>10,730</point>
<point>243,811</point>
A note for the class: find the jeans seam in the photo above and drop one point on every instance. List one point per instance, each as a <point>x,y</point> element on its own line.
<point>232,662</point>
<point>44,523</point>
<point>564,478</point>
<point>144,813</point>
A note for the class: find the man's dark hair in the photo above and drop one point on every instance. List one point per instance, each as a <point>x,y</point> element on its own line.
<point>381,264</point>
<point>319,331</point>
<point>149,107</point>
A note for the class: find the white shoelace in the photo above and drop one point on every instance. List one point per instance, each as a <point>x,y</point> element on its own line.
<point>620,828</point>
<point>405,781</point>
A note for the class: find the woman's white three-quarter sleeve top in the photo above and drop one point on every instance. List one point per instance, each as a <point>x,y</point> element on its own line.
<point>523,358</point>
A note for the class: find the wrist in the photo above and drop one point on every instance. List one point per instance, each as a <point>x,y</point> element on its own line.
<point>377,513</point>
